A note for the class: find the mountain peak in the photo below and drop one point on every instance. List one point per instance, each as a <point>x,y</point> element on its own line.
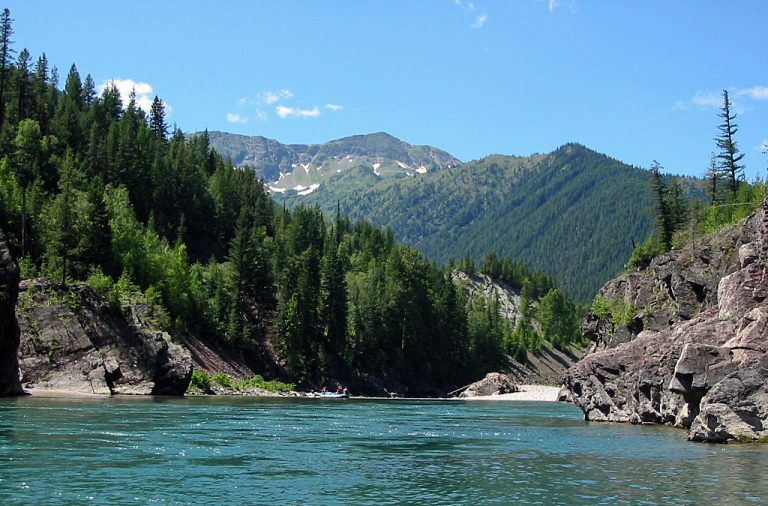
<point>303,168</point>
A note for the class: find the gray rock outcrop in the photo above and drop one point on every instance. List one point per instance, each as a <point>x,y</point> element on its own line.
<point>494,383</point>
<point>695,355</point>
<point>9,328</point>
<point>72,340</point>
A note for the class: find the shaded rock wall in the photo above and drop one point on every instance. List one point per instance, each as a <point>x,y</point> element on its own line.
<point>72,340</point>
<point>695,356</point>
<point>9,328</point>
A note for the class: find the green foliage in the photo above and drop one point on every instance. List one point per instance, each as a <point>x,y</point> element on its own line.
<point>200,382</point>
<point>203,383</point>
<point>617,311</point>
<point>273,386</point>
<point>645,252</point>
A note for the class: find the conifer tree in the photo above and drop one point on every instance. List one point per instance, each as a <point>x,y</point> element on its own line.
<point>6,31</point>
<point>157,119</point>
<point>729,155</point>
<point>26,159</point>
<point>664,219</point>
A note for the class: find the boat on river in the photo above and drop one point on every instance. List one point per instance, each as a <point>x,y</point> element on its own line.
<point>333,395</point>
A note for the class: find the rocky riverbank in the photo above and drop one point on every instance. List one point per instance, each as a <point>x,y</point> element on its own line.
<point>694,351</point>
<point>72,340</point>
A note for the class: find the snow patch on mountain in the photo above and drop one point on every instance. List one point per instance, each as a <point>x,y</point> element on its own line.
<point>309,190</point>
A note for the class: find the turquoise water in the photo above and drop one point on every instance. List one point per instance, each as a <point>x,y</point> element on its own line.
<point>310,451</point>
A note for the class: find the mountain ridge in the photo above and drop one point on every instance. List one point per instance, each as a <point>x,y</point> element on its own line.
<point>303,167</point>
<point>573,213</point>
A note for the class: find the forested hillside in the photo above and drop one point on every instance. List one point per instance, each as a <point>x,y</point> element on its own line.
<point>94,188</point>
<point>574,213</point>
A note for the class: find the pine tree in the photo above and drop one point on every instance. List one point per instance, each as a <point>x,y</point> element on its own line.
<point>63,232</point>
<point>729,155</point>
<point>712,180</point>
<point>95,245</point>
<point>157,119</point>
<point>664,219</point>
<point>23,92</point>
<point>6,31</point>
<point>26,160</point>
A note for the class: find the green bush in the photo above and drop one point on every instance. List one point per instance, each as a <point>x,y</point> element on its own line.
<point>200,382</point>
<point>271,386</point>
<point>223,380</point>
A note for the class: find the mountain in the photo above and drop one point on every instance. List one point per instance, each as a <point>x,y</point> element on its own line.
<point>301,169</point>
<point>573,213</point>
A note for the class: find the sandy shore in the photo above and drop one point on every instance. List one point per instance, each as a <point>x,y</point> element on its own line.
<point>527,393</point>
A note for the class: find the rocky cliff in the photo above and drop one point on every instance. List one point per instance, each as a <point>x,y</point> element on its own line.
<point>9,328</point>
<point>72,340</point>
<point>691,347</point>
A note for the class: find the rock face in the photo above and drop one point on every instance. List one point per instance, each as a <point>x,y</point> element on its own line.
<point>494,383</point>
<point>696,353</point>
<point>72,340</point>
<point>9,328</point>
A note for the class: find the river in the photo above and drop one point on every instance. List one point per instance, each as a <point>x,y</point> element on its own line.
<point>209,450</point>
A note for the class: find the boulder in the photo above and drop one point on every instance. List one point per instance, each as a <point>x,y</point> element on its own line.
<point>72,340</point>
<point>494,383</point>
<point>9,328</point>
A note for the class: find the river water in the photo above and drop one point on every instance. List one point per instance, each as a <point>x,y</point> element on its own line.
<point>311,451</point>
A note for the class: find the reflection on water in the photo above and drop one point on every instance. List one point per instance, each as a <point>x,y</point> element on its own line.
<point>289,451</point>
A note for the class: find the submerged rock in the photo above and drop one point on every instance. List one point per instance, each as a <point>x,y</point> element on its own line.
<point>494,383</point>
<point>9,328</point>
<point>696,354</point>
<point>72,340</point>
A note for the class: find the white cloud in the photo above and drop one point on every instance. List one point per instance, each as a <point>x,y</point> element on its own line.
<point>334,107</point>
<point>553,4</point>
<point>144,92</point>
<point>234,117</point>
<point>261,116</point>
<point>740,98</point>
<point>265,98</point>
<point>480,21</point>
<point>755,92</point>
<point>285,112</point>
<point>271,97</point>
<point>707,99</point>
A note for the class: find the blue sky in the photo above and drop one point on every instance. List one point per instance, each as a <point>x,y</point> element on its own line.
<point>636,80</point>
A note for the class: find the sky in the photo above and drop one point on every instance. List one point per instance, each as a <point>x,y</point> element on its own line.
<point>639,81</point>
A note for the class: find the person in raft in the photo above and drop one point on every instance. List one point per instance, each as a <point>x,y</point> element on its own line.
<point>340,390</point>
<point>324,389</point>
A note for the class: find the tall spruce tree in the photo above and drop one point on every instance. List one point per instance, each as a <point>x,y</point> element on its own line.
<point>6,31</point>
<point>664,218</point>
<point>729,155</point>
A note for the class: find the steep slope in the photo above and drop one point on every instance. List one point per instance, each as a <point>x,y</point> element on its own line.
<point>544,367</point>
<point>573,213</point>
<point>685,340</point>
<point>300,169</point>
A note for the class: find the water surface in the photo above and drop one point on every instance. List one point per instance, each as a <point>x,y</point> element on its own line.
<point>296,451</point>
